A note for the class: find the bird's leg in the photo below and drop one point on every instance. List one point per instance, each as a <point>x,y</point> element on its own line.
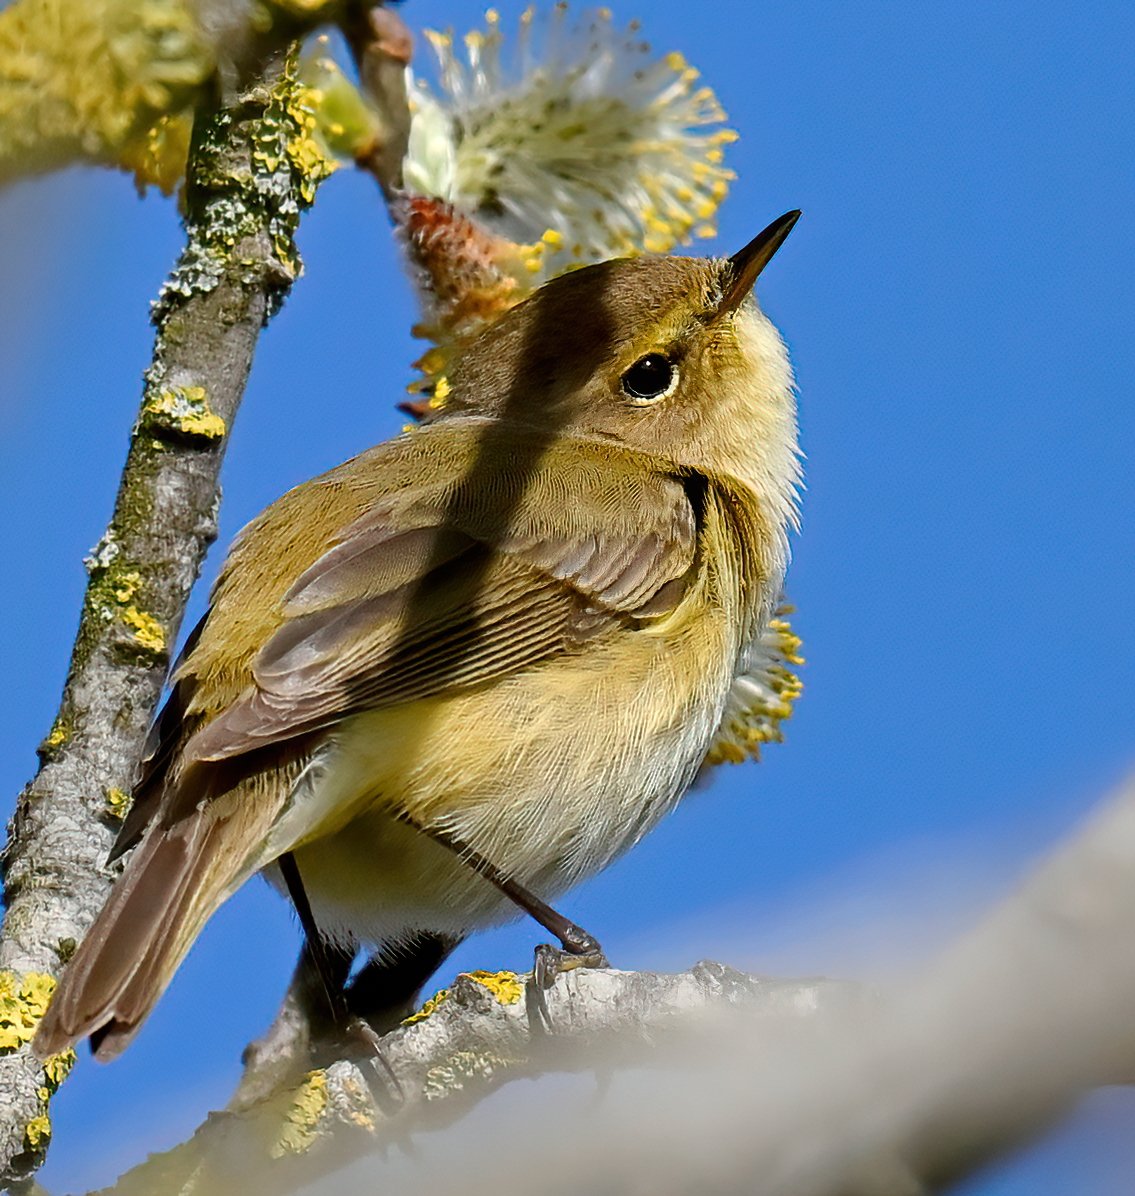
<point>331,977</point>
<point>304,1022</point>
<point>351,1025</point>
<point>322,970</point>
<point>577,949</point>
<point>386,989</point>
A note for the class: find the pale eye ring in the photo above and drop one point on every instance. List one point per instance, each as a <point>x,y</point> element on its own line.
<point>651,378</point>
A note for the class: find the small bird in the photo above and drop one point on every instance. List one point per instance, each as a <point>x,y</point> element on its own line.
<point>471,666</point>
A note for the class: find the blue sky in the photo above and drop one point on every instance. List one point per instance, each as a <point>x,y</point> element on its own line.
<point>958,301</point>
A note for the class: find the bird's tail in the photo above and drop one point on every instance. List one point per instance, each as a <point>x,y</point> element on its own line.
<point>176,878</point>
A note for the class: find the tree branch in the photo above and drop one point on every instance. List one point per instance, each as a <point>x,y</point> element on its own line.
<point>253,168</point>
<point>466,1043</point>
<point>978,1053</point>
<point>792,1088</point>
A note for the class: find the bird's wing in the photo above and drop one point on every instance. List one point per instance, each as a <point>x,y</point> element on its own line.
<point>457,582</point>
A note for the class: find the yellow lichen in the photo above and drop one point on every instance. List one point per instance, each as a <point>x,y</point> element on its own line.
<point>37,1133</point>
<point>461,1068</point>
<point>23,1001</point>
<point>117,802</point>
<point>58,735</point>
<point>428,1008</point>
<point>184,410</point>
<point>56,1068</point>
<point>302,1117</point>
<point>289,163</point>
<point>126,585</point>
<point>148,632</point>
<point>114,594</point>
<point>507,987</point>
<point>309,158</point>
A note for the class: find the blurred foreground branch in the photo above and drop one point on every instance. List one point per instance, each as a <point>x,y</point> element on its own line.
<point>784,1088</point>
<point>976,1054</point>
<point>465,1043</point>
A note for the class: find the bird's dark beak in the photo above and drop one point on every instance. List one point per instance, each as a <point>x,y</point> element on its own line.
<point>744,267</point>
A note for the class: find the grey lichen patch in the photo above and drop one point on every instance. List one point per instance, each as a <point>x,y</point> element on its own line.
<point>349,1098</point>
<point>264,197</point>
<point>182,412</point>
<point>104,553</point>
<point>460,1069</point>
<point>200,268</point>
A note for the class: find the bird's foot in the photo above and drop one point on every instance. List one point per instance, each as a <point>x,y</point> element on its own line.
<point>579,950</point>
<point>359,1037</point>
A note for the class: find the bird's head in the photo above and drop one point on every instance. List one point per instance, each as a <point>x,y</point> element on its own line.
<point>671,356</point>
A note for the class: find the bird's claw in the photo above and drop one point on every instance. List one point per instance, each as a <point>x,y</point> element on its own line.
<point>582,951</point>
<point>361,1034</point>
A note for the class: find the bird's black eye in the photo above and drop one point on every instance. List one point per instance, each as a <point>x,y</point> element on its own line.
<point>649,378</point>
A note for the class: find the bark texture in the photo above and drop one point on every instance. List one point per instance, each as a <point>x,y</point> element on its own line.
<point>253,168</point>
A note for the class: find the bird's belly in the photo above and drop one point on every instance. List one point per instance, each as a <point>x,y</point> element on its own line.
<point>549,775</point>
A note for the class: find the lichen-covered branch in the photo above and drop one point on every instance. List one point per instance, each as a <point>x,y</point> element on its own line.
<point>253,168</point>
<point>464,1044</point>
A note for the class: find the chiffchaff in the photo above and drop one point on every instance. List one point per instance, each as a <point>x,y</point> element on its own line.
<point>477,662</point>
